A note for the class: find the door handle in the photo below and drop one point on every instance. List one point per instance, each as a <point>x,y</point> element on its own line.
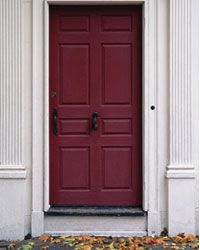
<point>94,120</point>
<point>55,115</point>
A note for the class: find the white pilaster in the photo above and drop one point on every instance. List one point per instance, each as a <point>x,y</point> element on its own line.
<point>10,83</point>
<point>12,170</point>
<point>181,171</point>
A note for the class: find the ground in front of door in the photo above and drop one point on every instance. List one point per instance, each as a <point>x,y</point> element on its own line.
<point>47,242</point>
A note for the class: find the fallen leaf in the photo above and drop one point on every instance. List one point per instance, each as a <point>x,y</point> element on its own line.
<point>79,246</point>
<point>45,247</point>
<point>182,235</point>
<point>165,238</point>
<point>139,248</point>
<point>121,240</point>
<point>179,239</point>
<point>166,245</point>
<point>176,248</point>
<point>11,245</point>
<point>44,237</point>
<point>87,248</point>
<point>194,245</point>
<point>56,241</point>
<point>27,246</point>
<point>138,242</point>
<point>191,238</point>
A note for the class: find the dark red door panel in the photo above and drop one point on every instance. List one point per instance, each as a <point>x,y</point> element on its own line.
<point>95,66</point>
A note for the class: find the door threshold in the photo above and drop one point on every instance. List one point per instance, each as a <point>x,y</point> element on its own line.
<point>94,211</point>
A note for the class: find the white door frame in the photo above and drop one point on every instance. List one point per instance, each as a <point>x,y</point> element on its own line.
<point>40,150</point>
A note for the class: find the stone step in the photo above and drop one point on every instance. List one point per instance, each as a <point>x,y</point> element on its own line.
<point>95,225</point>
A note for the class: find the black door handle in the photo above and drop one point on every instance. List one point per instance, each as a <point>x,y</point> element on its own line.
<point>55,115</point>
<point>94,120</point>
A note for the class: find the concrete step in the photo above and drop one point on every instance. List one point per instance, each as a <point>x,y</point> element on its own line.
<point>96,225</point>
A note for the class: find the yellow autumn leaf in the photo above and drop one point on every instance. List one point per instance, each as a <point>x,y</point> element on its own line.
<point>111,245</point>
<point>191,237</point>
<point>176,248</point>
<point>179,239</point>
<point>87,247</point>
<point>139,248</point>
<point>55,241</point>
<point>165,238</point>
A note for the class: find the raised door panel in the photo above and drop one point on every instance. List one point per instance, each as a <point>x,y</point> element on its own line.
<point>74,74</point>
<point>117,168</point>
<point>116,23</point>
<point>74,126</point>
<point>74,175</point>
<point>74,23</point>
<point>116,64</point>
<point>116,126</point>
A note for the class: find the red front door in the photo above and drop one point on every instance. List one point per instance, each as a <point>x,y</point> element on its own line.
<point>95,66</point>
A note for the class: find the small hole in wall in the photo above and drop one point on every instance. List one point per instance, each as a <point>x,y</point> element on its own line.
<point>153,107</point>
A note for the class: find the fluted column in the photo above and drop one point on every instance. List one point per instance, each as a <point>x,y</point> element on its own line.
<point>10,86</point>
<point>180,82</point>
<point>180,172</point>
<point>12,192</point>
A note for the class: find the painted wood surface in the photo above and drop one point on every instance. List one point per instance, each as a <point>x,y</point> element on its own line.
<point>95,65</point>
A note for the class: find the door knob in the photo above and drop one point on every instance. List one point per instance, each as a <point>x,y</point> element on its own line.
<point>94,120</point>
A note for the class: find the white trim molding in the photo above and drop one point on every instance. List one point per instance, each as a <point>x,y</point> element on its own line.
<point>10,172</point>
<point>181,170</point>
<point>180,174</point>
<point>37,217</point>
<point>40,201</point>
